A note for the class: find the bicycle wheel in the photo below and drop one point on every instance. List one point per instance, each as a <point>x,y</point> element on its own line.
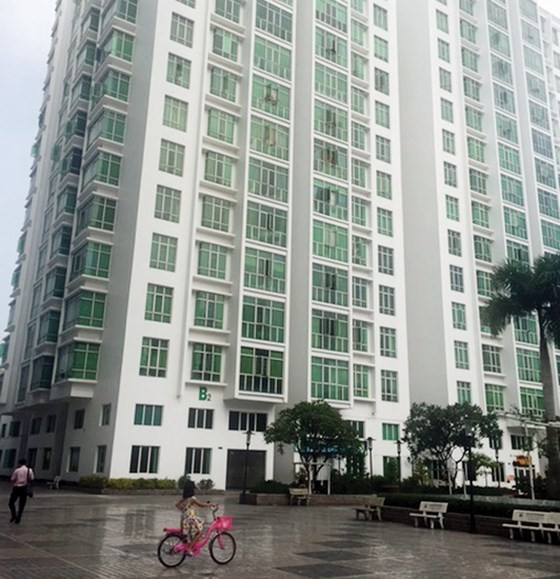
<point>222,548</point>
<point>166,552</point>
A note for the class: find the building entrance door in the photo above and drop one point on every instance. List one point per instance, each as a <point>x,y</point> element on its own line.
<point>256,460</point>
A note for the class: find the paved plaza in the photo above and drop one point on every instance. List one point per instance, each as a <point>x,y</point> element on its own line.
<point>70,535</point>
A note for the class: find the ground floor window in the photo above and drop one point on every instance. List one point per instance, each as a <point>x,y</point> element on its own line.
<point>197,460</point>
<point>144,459</point>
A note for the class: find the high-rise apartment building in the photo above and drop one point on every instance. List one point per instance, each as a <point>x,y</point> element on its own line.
<point>479,106</point>
<point>214,230</point>
<point>241,204</point>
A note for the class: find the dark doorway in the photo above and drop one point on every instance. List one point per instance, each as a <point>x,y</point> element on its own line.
<point>256,460</point>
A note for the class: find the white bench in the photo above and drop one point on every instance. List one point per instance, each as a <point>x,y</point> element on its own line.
<point>371,508</point>
<point>430,512</point>
<point>530,521</point>
<point>299,496</point>
<point>552,526</point>
<point>54,484</point>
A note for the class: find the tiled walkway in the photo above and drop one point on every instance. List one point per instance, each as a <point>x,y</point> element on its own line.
<point>68,535</point>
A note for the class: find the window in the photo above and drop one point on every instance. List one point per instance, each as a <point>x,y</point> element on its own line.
<point>230,9</point>
<point>452,207</point>
<point>266,224</point>
<point>448,139</point>
<point>114,84</point>
<point>271,97</point>
<point>464,392</point>
<point>265,270</point>
<point>461,355</point>
<point>443,50</point>
<point>105,418</point>
<point>517,252</point>
<point>200,418</point>
<point>182,30</point>
<point>528,365</point>
<point>507,128</point>
<point>98,213</point>
<point>263,319</point>
<point>218,169</point>
<point>74,459</point>
<point>274,20</point>
<point>119,45</point>
<point>329,379</point>
<point>381,83</point>
<point>445,80</point>
<point>331,83</point>
<point>360,292</point>
<point>175,113</point>
<point>215,213</point>
<point>483,248</point>
<point>532,402</point>
<point>388,342</point>
<point>475,148</point>
<point>100,459</point>
<point>526,329</point>
<point>471,88</point>
<point>333,14</point>
<point>548,203</point>
<point>329,199</point>
<point>221,125</point>
<point>330,285</point>
<point>456,278</point>
<point>178,70</point>
<point>105,168</point>
<point>330,159</point>
<point>384,185</point>
<point>51,423</point>
<point>512,190</point>
<point>382,114</point>
<point>206,363</point>
<point>362,378</point>
<point>85,309</point>
<point>329,331</point>
<point>261,371</point>
<point>268,180</point>
<point>447,110</point>
<point>331,121</point>
<point>223,84</point>
<point>495,401</point>
<point>442,21</point>
<point>473,118</point>
<point>450,174</point>
<point>253,421</point>
<point>480,214</point>
<point>386,300</point>
<point>459,315</point>
<point>144,459</point>
<point>454,242</point>
<point>389,386</point>
<point>91,259</point>
<point>108,125</point>
<point>360,211</point>
<point>272,58</point>
<point>484,283</point>
<point>153,357</point>
<point>515,223</point>
<point>380,17</point>
<point>163,253</point>
<point>491,359</point>
<point>469,59</point>
<point>380,48</point>
<point>168,204</point>
<point>209,310</point>
<point>360,250</point>
<point>330,241</point>
<point>158,303</point>
<point>48,327</point>
<point>198,460</point>
<point>385,258</point>
<point>171,158</point>
<point>360,336</point>
<point>390,431</point>
<point>148,415</point>
<point>331,47</point>
<point>550,234</point>
<point>212,260</point>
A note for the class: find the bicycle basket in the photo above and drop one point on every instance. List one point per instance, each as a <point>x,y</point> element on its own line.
<point>223,523</point>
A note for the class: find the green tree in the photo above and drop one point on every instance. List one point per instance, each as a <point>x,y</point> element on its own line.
<point>317,432</point>
<point>446,433</point>
<point>521,290</point>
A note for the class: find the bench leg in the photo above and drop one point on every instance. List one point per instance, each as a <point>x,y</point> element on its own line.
<point>415,521</point>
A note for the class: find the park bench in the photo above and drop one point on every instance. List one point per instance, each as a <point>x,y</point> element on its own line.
<point>299,496</point>
<point>552,526</point>
<point>371,508</point>
<point>529,521</point>
<point>430,512</point>
<point>54,484</point>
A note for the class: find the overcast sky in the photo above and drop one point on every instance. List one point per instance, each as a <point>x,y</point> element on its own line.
<point>25,27</point>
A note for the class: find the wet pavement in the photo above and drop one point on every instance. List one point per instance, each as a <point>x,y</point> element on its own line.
<point>70,535</point>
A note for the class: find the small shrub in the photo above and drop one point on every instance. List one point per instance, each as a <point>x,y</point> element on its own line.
<point>93,481</point>
<point>120,483</point>
<point>206,484</point>
<point>165,483</point>
<point>272,487</point>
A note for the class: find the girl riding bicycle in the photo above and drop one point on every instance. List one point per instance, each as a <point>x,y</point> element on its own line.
<point>191,523</point>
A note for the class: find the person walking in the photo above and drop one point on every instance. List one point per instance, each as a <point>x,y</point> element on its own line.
<point>21,478</point>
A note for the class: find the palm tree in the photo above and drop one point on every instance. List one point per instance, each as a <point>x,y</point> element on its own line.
<point>521,290</point>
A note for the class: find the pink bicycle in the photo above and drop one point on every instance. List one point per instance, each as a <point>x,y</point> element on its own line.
<point>172,549</point>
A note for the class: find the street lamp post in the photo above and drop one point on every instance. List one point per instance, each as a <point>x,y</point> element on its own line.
<point>399,443</point>
<point>246,466</point>
<point>370,450</point>
<point>470,441</point>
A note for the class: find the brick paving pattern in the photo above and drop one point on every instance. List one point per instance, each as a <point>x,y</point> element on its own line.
<point>69,535</point>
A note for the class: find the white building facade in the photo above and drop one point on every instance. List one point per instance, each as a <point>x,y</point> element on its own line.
<point>214,230</point>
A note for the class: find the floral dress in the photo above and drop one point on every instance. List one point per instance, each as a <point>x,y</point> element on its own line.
<point>191,523</point>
